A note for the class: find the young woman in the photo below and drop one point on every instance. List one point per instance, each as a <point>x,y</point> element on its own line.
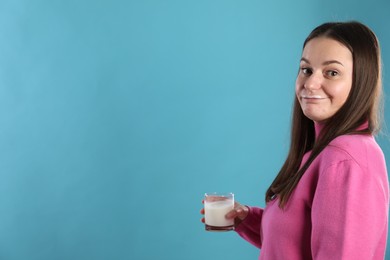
<point>330,199</point>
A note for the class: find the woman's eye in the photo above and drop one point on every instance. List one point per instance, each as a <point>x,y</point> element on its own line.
<point>332,73</point>
<point>306,71</point>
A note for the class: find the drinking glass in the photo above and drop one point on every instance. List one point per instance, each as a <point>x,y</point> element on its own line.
<point>216,206</point>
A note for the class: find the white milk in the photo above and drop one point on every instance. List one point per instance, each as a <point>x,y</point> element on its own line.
<point>215,212</point>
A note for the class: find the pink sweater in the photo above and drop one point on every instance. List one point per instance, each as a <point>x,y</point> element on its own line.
<point>339,209</point>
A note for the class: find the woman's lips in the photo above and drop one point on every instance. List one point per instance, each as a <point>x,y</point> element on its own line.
<point>312,97</point>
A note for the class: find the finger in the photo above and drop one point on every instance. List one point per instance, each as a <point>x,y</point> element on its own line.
<point>242,212</point>
<point>202,220</point>
<point>202,211</point>
<point>231,214</point>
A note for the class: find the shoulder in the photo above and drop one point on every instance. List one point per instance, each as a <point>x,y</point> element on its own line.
<point>357,158</point>
<point>360,149</point>
<point>353,161</point>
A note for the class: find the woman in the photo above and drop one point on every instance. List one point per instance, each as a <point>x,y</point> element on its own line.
<point>330,199</point>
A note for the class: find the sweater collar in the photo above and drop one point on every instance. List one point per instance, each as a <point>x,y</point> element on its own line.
<point>319,126</point>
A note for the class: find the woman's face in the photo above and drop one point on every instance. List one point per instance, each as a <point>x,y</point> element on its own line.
<point>325,78</point>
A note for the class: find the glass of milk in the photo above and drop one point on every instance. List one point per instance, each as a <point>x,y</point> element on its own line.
<point>216,206</point>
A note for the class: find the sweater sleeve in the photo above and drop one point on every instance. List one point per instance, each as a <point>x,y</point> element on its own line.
<point>249,229</point>
<point>349,213</point>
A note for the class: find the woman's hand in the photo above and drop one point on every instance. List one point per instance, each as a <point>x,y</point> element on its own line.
<point>239,213</point>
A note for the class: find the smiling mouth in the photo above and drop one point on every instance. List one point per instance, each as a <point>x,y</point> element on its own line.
<point>312,97</point>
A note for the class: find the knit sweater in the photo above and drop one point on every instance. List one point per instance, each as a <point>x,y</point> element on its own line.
<point>338,210</point>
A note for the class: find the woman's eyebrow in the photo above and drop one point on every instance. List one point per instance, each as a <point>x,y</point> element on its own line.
<point>324,63</point>
<point>305,60</point>
<point>332,61</point>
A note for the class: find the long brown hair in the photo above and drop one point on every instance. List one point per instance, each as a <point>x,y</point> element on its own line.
<point>363,104</point>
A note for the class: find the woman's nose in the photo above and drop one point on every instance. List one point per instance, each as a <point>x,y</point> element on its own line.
<point>313,82</point>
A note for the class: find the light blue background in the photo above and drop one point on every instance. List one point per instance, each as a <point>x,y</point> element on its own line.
<point>116,116</point>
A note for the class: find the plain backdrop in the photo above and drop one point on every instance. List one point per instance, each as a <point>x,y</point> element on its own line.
<point>117,116</point>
